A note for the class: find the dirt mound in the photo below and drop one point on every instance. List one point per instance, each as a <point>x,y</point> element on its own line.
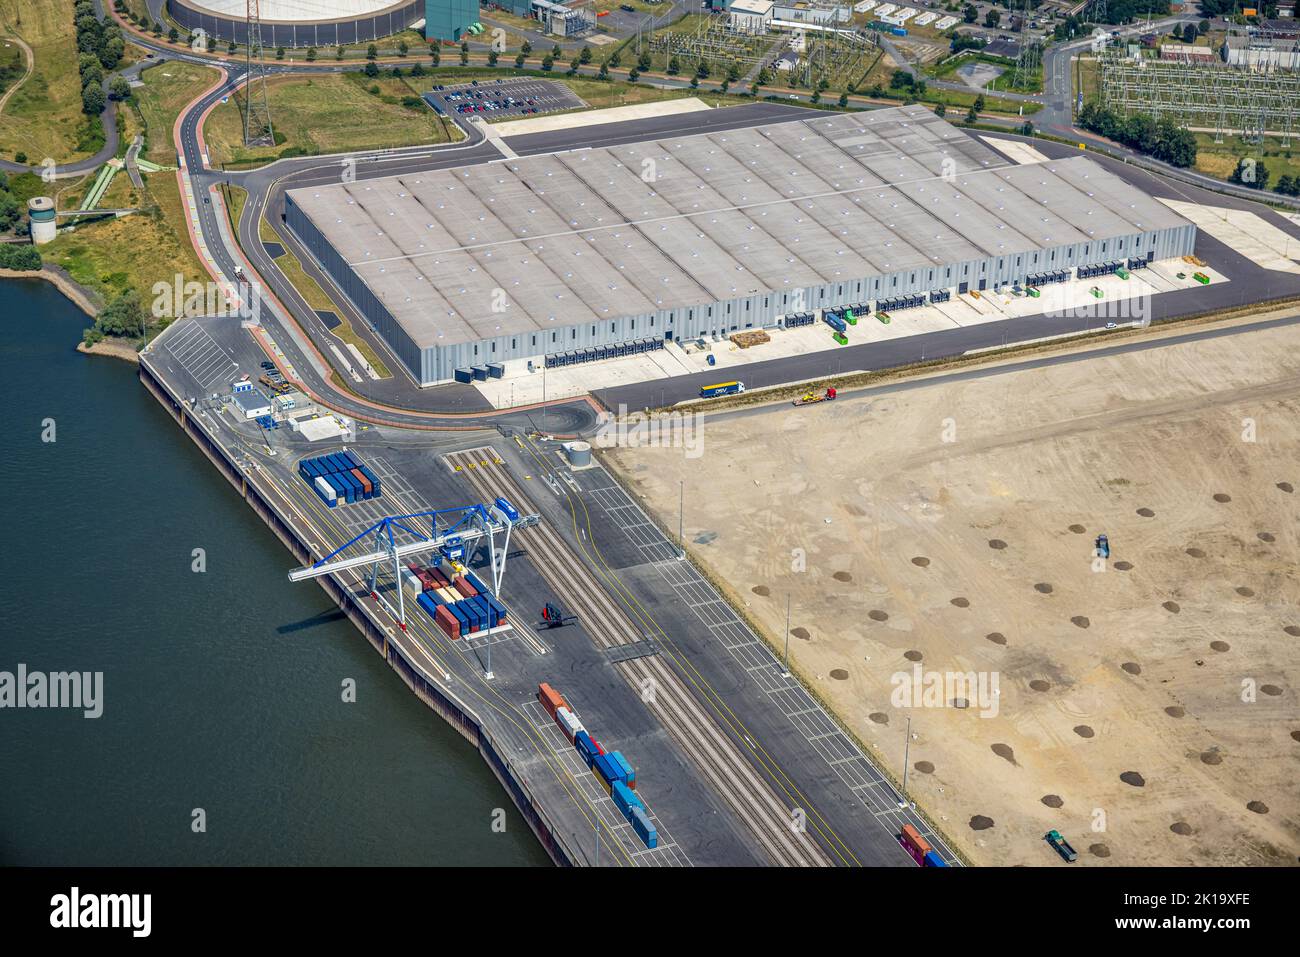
<point>1052,800</point>
<point>1080,621</point>
<point>925,767</point>
<point>997,544</point>
<point>877,615</point>
<point>761,590</point>
<point>1043,588</point>
<point>1132,667</point>
<point>960,602</point>
<point>1038,684</point>
<point>913,655</point>
<point>1146,513</point>
<point>1004,751</point>
<point>1133,778</point>
<point>980,823</point>
<point>842,577</point>
<point>839,674</point>
<point>996,637</point>
<point>1083,731</point>
<point>920,561</point>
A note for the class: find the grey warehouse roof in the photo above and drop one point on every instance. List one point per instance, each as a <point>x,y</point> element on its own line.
<point>566,238</point>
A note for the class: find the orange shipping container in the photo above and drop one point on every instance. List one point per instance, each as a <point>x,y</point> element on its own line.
<point>366,487</point>
<point>913,839</point>
<point>551,699</point>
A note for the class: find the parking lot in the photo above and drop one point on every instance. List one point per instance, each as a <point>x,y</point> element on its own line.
<point>499,99</point>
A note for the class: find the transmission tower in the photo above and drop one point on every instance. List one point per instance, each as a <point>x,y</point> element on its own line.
<point>1098,11</point>
<point>257,111</point>
<point>1030,56</point>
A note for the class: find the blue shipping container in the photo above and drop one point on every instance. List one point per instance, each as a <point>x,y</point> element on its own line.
<point>644,829</point>
<point>607,771</point>
<point>629,772</point>
<point>582,741</point>
<point>351,487</point>
<point>461,617</point>
<point>427,603</point>
<point>625,799</point>
<point>508,509</point>
<point>352,460</point>
<point>933,860</point>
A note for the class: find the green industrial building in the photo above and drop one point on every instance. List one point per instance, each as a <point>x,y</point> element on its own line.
<point>448,19</point>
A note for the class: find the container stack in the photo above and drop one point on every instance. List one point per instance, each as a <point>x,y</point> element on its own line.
<point>340,478</point>
<point>459,604</point>
<point>919,849</point>
<point>614,772</point>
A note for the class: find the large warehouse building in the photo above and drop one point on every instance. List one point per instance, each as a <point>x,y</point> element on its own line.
<point>708,234</point>
<point>325,23</point>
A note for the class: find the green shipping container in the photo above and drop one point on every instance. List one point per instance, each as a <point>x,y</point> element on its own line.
<point>1033,292</point>
<point>883,317</point>
<point>840,338</point>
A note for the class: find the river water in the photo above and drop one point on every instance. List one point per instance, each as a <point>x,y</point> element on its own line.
<point>222,689</point>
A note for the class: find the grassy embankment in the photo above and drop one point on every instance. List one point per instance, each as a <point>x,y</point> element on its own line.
<point>335,113</point>
<point>43,118</point>
<point>153,245</point>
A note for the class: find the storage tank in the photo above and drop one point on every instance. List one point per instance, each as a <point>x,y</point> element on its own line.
<point>578,454</point>
<point>44,224</point>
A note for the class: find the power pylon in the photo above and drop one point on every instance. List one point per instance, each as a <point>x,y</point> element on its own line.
<point>257,110</point>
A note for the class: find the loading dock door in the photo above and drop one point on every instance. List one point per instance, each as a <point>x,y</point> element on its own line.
<point>963,288</point>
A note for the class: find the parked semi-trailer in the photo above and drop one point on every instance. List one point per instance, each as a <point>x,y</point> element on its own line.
<point>722,388</point>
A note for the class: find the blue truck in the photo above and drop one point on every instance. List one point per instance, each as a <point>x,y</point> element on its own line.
<point>721,388</point>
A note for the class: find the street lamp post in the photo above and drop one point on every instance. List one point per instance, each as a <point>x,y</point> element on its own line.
<point>786,673</point>
<point>681,521</point>
<point>907,750</point>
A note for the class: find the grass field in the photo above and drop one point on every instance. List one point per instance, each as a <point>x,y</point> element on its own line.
<point>133,252</point>
<point>1220,159</point>
<point>168,88</point>
<point>44,118</point>
<point>327,114</point>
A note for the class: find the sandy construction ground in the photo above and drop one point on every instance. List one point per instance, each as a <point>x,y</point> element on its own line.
<point>1146,707</point>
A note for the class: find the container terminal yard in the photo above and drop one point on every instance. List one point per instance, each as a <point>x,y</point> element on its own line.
<point>734,762</point>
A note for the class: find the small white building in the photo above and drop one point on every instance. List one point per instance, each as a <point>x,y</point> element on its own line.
<point>750,16</point>
<point>251,403</point>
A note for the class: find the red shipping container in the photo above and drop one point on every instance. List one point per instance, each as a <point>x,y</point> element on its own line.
<point>464,587</point>
<point>916,845</point>
<point>439,577</point>
<point>551,699</point>
<point>447,621</point>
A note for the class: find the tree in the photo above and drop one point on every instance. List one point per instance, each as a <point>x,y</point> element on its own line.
<point>418,70</point>
<point>232,46</point>
<point>1287,185</point>
<point>23,258</point>
<point>339,51</point>
<point>403,48</point>
<point>556,52</point>
<point>844,100</point>
<point>372,69</point>
<point>644,62</point>
<point>173,35</point>
<point>1251,172</point>
<point>615,59</point>
<point>525,48</point>
<point>674,66</point>
<point>372,51</point>
<point>464,57</point>
<point>992,18</point>
<point>311,54</point>
<point>695,83</point>
<point>548,61</point>
<point>940,110</point>
<point>970,13</point>
<point>435,55</point>
<point>634,73</point>
<point>119,88</point>
<point>573,65</point>
<point>585,55</point>
<point>93,100</point>
<point>279,53</point>
<point>519,61</point>
<point>1189,33</point>
<point>733,72</point>
<point>124,316</point>
<point>493,56</point>
<point>1203,27</point>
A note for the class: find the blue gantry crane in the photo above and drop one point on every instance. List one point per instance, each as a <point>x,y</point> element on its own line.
<point>455,532</point>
